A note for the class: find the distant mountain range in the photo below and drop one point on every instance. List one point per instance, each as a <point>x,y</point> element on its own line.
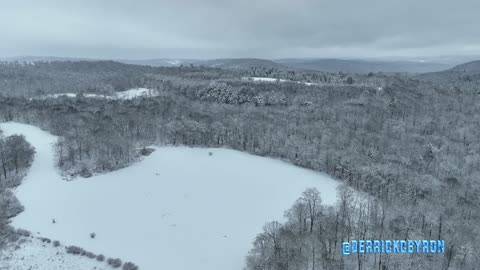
<point>467,72</point>
<point>243,63</point>
<point>326,65</point>
<point>363,66</point>
<point>470,67</point>
<point>160,62</point>
<point>227,63</point>
<point>42,59</point>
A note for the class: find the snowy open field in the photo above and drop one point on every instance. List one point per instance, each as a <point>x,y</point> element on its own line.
<point>274,80</point>
<point>33,254</point>
<point>128,94</point>
<point>178,209</point>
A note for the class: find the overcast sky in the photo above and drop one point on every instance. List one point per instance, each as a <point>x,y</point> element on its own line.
<point>239,28</point>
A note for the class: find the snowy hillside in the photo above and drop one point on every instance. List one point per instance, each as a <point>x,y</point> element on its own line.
<point>128,94</point>
<point>134,93</point>
<point>33,254</point>
<point>180,208</point>
<point>274,80</point>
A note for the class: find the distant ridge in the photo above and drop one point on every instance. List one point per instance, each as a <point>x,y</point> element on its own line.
<point>161,62</point>
<point>358,66</point>
<point>243,63</point>
<point>26,58</point>
<point>363,66</point>
<point>469,67</point>
<point>226,63</point>
<point>464,73</point>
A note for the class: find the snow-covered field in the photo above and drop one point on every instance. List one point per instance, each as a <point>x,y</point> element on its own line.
<point>134,93</point>
<point>128,94</point>
<point>33,254</point>
<point>178,209</point>
<point>274,80</point>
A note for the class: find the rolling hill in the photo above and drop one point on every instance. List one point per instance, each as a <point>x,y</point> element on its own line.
<point>469,67</point>
<point>465,73</point>
<point>362,66</point>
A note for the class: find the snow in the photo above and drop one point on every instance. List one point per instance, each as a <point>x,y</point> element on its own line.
<point>32,254</point>
<point>265,79</point>
<point>128,94</point>
<point>177,209</point>
<point>134,93</point>
<point>174,62</point>
<point>71,95</point>
<point>274,80</point>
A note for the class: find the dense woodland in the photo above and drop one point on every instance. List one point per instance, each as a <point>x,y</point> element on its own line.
<point>411,143</point>
<point>16,156</point>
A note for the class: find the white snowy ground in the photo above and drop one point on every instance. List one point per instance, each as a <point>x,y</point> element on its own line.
<point>128,94</point>
<point>35,255</point>
<point>178,209</point>
<point>274,80</point>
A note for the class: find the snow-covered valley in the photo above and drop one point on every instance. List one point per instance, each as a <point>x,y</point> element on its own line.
<point>178,209</point>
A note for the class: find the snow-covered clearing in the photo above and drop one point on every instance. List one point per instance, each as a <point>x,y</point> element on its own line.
<point>178,209</point>
<point>134,93</point>
<point>33,254</point>
<point>274,80</point>
<point>128,94</point>
<point>174,62</point>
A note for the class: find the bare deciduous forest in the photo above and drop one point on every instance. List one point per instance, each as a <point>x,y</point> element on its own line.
<point>408,141</point>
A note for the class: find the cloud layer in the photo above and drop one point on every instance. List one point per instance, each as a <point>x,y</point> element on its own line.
<point>247,28</point>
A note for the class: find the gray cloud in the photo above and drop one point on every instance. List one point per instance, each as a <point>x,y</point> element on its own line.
<point>248,28</point>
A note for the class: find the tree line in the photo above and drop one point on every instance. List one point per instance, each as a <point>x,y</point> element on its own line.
<point>16,156</point>
<point>412,145</point>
